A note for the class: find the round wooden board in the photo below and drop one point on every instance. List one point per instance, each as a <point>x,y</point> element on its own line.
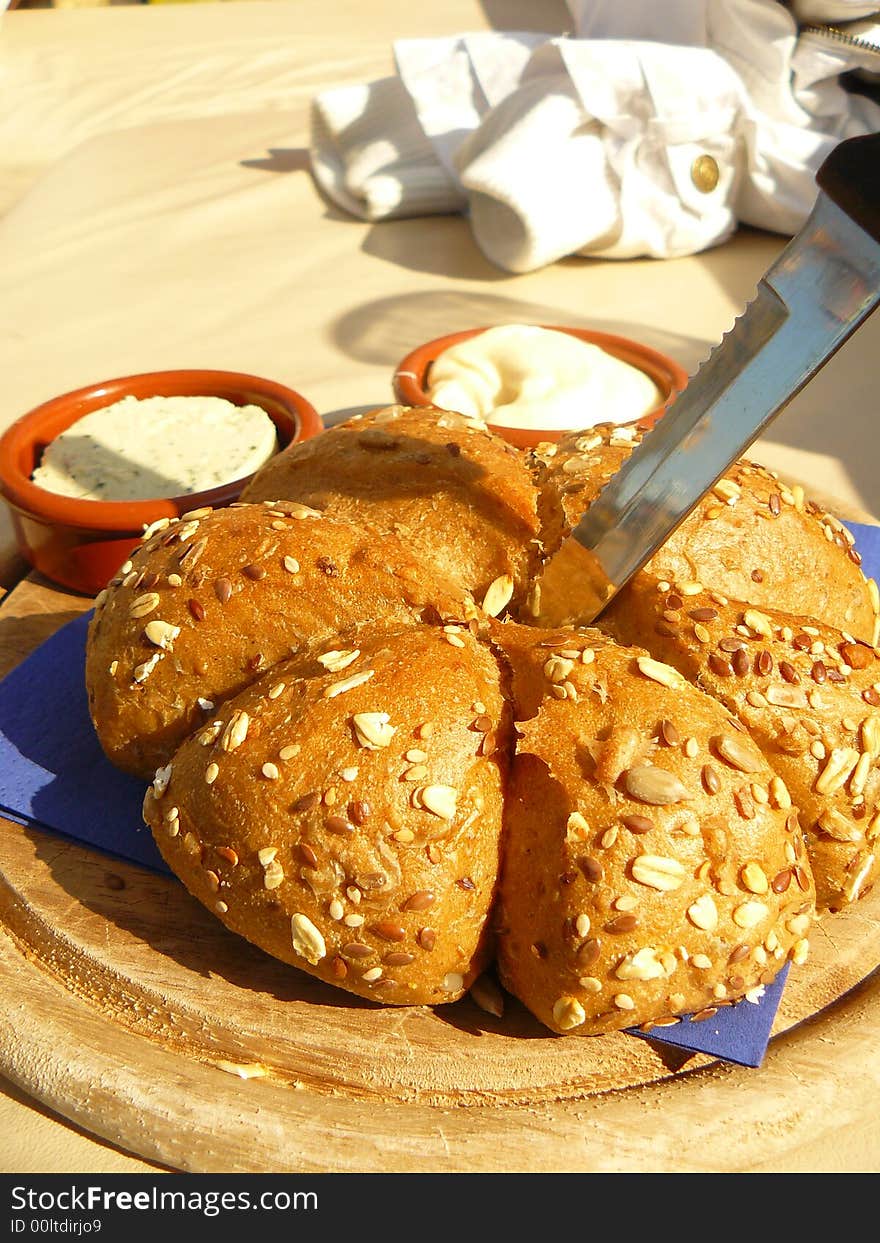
<point>134,1013</point>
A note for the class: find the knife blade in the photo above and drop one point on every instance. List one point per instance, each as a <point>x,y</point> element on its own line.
<point>824,284</point>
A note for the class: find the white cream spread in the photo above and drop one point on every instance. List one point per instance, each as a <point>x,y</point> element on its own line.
<point>521,376</point>
<point>137,449</point>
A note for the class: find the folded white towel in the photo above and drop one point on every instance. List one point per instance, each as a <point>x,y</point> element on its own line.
<point>454,83</point>
<point>371,156</point>
<point>527,210</point>
<point>652,131</point>
<point>385,148</point>
<point>597,153</point>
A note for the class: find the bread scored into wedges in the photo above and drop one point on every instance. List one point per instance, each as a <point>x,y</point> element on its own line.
<point>809,697</point>
<point>344,814</point>
<point>750,538</point>
<point>652,862</point>
<point>358,768</point>
<point>210,602</point>
<point>459,497</point>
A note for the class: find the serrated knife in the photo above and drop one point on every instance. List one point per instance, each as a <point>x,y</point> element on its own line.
<point>824,284</point>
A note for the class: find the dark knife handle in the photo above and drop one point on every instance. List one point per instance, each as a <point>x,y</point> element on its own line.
<point>851,177</point>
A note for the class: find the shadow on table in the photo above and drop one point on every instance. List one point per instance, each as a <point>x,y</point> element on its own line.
<point>296,160</point>
<point>19,634</point>
<point>449,250</point>
<point>159,911</point>
<point>382,331</point>
<point>550,16</point>
<point>282,160</point>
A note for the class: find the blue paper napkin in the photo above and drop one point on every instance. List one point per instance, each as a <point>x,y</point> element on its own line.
<point>53,773</point>
<point>54,776</point>
<point>737,1033</point>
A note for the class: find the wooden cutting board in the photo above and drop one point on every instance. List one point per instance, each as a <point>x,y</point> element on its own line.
<point>134,1013</point>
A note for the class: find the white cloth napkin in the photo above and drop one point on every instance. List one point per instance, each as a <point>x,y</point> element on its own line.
<point>651,130</point>
<point>593,153</point>
<point>387,148</point>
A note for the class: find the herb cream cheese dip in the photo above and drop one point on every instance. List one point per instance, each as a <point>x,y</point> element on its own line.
<point>531,378</point>
<point>140,448</point>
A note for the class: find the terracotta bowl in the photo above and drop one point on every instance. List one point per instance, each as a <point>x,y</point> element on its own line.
<point>81,544</point>
<point>412,377</point>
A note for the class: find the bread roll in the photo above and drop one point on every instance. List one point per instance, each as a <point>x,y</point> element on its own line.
<point>211,600</point>
<point>364,773</point>
<point>459,496</point>
<point>633,888</point>
<point>344,812</point>
<point>751,537</point>
<point>809,696</point>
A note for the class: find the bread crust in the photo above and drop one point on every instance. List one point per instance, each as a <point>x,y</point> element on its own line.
<point>751,537</point>
<point>209,602</point>
<point>652,836</point>
<point>810,698</point>
<point>630,890</point>
<point>459,496</point>
<point>363,850</point>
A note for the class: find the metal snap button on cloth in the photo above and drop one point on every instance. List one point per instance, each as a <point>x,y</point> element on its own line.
<point>704,173</point>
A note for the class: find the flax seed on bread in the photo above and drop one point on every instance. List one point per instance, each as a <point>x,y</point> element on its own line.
<point>459,497</point>
<point>751,537</point>
<point>632,888</point>
<point>809,697</point>
<point>344,812</point>
<point>210,601</point>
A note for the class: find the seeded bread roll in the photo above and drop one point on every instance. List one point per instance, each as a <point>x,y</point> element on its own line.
<point>459,496</point>
<point>347,818</point>
<point>751,537</point>
<point>631,890</point>
<point>810,698</point>
<point>209,601</point>
<point>364,773</point>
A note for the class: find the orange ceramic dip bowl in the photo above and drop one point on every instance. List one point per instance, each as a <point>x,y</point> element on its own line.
<point>413,375</point>
<point>81,544</point>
